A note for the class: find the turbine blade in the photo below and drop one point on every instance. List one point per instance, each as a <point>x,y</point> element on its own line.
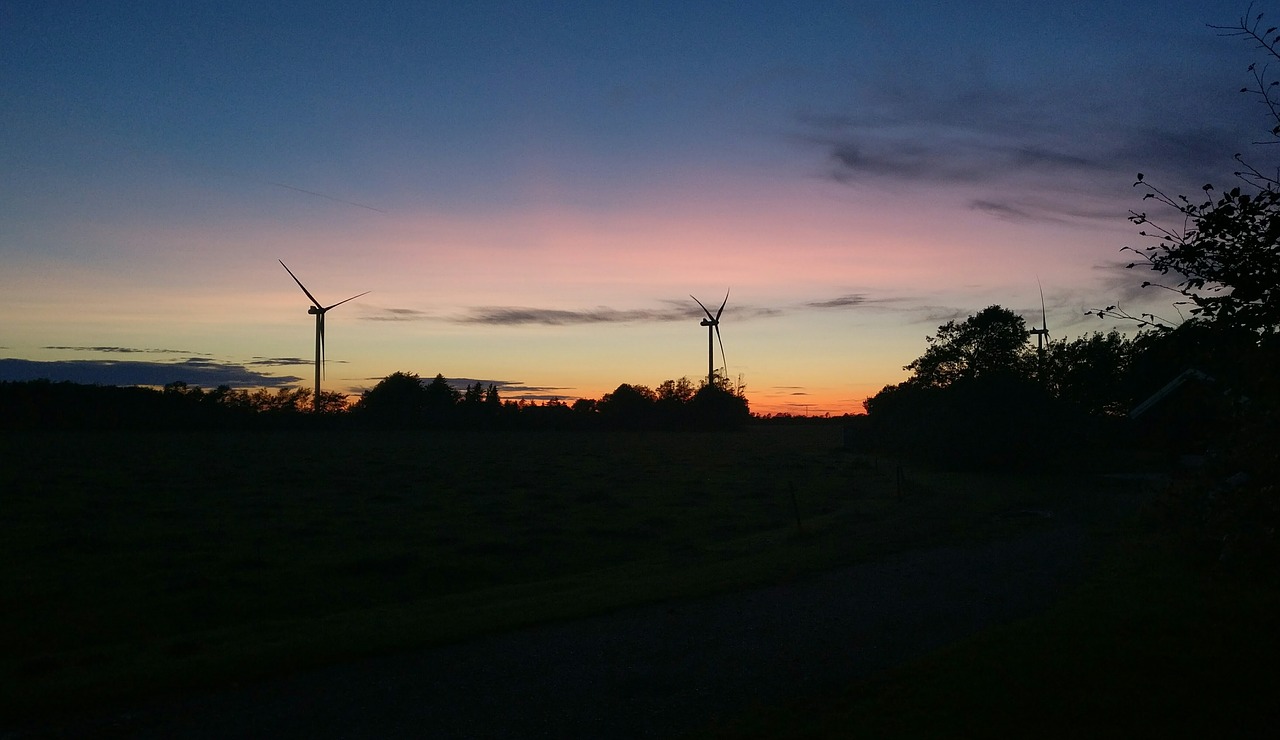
<point>1044,317</point>
<point>704,308</point>
<point>726,300</point>
<point>299,282</point>
<point>722,357</point>
<point>352,298</point>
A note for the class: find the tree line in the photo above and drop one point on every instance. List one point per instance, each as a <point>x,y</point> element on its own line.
<point>402,400</point>
<point>982,395</point>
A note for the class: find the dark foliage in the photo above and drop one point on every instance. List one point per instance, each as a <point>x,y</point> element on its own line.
<point>674,406</point>
<point>402,400</point>
<point>41,404</point>
<point>1221,259</point>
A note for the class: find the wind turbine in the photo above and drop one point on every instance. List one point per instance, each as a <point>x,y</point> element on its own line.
<point>1042,334</point>
<point>318,311</point>
<point>713,326</point>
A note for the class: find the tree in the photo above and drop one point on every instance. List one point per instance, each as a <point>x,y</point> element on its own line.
<point>628,406</point>
<point>400,399</point>
<point>676,391</point>
<point>1091,372</point>
<point>1224,260</point>
<point>992,342</point>
<point>715,407</point>
<point>440,399</point>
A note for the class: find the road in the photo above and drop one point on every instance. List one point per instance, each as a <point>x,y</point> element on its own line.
<point>650,672</point>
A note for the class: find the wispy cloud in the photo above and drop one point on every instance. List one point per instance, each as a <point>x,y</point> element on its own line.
<point>970,131</point>
<point>127,350</point>
<point>194,371</point>
<point>674,311</point>
<point>283,361</point>
<point>854,300</point>
<point>395,314</point>
<point>518,315</point>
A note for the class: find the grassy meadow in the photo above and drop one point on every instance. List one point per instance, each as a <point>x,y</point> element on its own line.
<point>137,564</point>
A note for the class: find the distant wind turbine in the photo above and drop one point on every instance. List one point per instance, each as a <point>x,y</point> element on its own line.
<point>713,326</point>
<point>318,311</point>
<point>1042,334</point>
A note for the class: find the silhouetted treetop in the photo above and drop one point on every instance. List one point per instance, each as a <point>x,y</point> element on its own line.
<point>993,341</point>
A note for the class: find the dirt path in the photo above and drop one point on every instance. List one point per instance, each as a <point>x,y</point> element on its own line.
<point>648,672</point>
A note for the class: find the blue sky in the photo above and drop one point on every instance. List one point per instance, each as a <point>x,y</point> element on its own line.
<point>532,191</point>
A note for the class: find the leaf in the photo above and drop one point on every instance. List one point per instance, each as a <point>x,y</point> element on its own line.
<point>1139,177</point>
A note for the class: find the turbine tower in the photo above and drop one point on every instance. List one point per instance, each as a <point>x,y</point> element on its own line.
<point>318,311</point>
<point>713,326</point>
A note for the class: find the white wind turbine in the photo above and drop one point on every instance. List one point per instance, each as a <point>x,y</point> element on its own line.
<point>318,311</point>
<point>713,326</point>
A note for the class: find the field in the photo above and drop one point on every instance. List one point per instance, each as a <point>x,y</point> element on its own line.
<point>141,565</point>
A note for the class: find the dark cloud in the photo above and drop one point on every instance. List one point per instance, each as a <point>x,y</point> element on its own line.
<point>844,301</point>
<point>507,389</point>
<point>395,314</point>
<point>128,350</point>
<point>515,390</point>
<point>853,300</point>
<point>283,361</point>
<point>194,371</point>
<point>516,315</point>
<point>955,129</point>
<point>938,314</point>
<point>675,311</point>
<point>947,157</point>
<point>1023,209</point>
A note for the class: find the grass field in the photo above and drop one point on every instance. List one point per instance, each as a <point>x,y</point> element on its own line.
<point>140,563</point>
<point>136,565</point>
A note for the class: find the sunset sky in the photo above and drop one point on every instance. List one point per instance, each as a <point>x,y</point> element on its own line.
<point>531,191</point>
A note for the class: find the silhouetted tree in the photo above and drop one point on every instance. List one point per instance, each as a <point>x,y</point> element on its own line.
<point>675,391</point>
<point>399,400</point>
<point>974,399</point>
<point>440,401</point>
<point>714,407</point>
<point>1222,259</point>
<point>628,407</point>
<point>1091,373</point>
<point>991,342</point>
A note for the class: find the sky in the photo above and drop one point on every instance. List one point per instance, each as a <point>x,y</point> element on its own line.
<point>531,192</point>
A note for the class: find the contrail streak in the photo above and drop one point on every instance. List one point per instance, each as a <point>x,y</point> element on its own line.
<point>329,197</point>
